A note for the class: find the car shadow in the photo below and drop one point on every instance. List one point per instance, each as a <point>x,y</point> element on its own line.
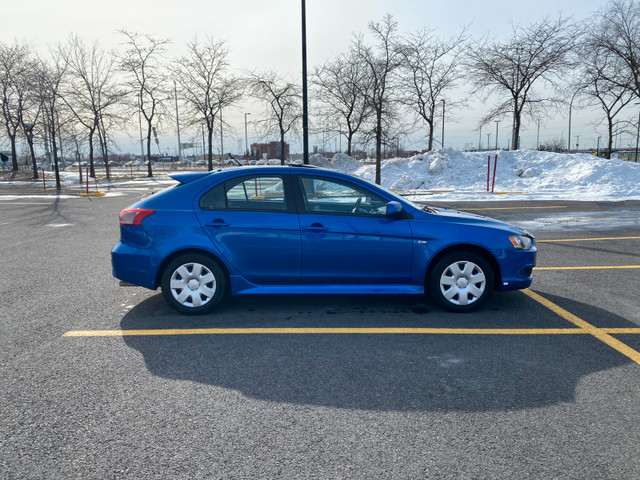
<point>378,372</point>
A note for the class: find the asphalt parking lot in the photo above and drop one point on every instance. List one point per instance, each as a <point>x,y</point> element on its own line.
<point>100,381</point>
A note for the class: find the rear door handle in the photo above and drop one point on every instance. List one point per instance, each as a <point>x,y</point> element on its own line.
<point>218,222</point>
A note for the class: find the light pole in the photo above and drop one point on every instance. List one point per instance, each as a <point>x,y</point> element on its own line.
<point>598,147</point>
<point>305,114</point>
<point>570,107</point>
<point>442,143</point>
<point>488,141</point>
<point>497,122</point>
<point>246,141</point>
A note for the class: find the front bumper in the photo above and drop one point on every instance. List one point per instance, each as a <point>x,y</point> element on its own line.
<point>516,269</point>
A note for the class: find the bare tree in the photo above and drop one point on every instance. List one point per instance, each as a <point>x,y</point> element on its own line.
<point>14,66</point>
<point>341,86</point>
<point>536,54</point>
<point>618,33</point>
<point>50,78</point>
<point>283,102</point>
<point>205,85</point>
<point>606,83</point>
<point>91,92</point>
<point>142,65</point>
<point>381,62</point>
<point>431,68</point>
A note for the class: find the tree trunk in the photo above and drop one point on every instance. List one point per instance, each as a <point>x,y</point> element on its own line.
<point>431,128</point>
<point>33,156</point>
<point>610,142</point>
<point>210,146</point>
<point>378,146</point>
<point>281,148</point>
<point>56,168</point>
<point>149,169</point>
<point>92,172</point>
<point>14,153</point>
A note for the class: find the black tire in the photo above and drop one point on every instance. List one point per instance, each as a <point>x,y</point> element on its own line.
<point>193,284</point>
<point>461,282</point>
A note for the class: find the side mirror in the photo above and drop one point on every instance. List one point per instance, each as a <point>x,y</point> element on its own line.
<point>394,209</point>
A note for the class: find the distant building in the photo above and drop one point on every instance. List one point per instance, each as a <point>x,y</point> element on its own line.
<point>265,151</point>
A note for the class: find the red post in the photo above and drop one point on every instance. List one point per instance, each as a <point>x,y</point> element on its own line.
<point>44,182</point>
<point>495,164</point>
<point>488,170</point>
<point>87,179</point>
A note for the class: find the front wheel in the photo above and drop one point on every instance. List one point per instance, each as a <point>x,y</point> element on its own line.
<point>461,282</point>
<point>193,284</point>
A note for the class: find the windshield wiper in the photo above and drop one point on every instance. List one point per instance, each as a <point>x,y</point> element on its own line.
<point>429,209</point>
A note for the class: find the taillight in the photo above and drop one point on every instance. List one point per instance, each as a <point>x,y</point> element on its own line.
<point>134,216</point>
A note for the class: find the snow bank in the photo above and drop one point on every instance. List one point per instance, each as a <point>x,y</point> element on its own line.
<point>523,174</point>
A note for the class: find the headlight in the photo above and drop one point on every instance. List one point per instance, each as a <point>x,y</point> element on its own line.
<point>520,242</point>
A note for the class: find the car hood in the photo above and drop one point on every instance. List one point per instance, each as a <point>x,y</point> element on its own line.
<point>457,217</point>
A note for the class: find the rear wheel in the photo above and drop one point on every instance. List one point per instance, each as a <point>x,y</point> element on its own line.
<point>461,281</point>
<point>193,284</point>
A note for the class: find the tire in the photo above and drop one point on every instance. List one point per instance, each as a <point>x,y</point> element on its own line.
<point>193,284</point>
<point>461,282</point>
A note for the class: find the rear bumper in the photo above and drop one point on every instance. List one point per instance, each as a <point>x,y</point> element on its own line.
<point>133,266</point>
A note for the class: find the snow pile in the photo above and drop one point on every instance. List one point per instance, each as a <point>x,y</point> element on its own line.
<point>523,174</point>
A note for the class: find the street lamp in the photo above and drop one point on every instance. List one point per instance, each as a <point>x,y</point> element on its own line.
<point>305,114</point>
<point>246,141</point>
<point>570,107</point>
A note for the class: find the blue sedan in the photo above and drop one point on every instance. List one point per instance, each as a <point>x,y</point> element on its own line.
<point>302,230</point>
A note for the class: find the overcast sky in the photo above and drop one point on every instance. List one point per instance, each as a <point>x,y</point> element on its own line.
<point>265,34</point>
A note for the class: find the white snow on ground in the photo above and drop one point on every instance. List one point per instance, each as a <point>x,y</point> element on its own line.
<point>520,175</point>
<point>451,175</point>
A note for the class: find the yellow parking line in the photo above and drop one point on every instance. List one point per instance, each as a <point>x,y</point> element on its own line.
<point>621,331</point>
<point>593,267</point>
<point>598,333</point>
<point>311,331</point>
<point>599,239</point>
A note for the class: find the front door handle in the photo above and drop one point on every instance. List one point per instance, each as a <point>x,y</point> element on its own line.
<point>316,227</point>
